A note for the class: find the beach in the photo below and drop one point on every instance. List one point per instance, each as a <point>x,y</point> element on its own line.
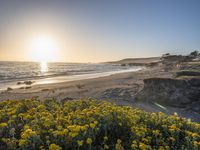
<point>118,85</point>
<point>81,86</point>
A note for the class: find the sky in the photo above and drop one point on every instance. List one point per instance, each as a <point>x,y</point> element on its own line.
<point>97,30</point>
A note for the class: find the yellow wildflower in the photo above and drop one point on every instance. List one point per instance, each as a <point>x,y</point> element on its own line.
<point>80,142</point>
<point>156,132</point>
<point>167,148</point>
<point>119,141</point>
<point>92,125</point>
<point>196,144</point>
<point>172,139</point>
<point>134,146</point>
<point>89,141</point>
<point>22,142</point>
<point>28,133</point>
<point>106,146</point>
<point>142,145</point>
<point>73,134</point>
<point>173,126</point>
<point>194,135</point>
<point>42,148</point>
<point>2,125</point>
<point>105,138</point>
<point>54,147</point>
<point>161,148</point>
<point>65,131</point>
<point>118,145</point>
<point>95,122</point>
<point>175,114</point>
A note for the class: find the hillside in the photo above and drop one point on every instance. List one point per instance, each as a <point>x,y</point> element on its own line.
<point>138,61</point>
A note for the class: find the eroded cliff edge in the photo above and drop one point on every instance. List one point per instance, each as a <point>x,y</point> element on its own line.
<point>182,93</point>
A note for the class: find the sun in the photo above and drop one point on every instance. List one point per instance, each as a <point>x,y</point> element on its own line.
<point>43,49</point>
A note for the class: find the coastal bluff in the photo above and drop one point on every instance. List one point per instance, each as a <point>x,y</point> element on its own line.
<point>182,93</point>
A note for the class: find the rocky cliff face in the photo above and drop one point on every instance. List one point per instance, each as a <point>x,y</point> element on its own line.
<point>184,93</point>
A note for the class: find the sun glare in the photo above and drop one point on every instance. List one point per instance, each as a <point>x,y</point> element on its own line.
<point>43,66</point>
<point>43,49</point>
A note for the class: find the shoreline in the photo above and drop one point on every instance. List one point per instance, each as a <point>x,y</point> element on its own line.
<point>94,81</point>
<point>61,78</point>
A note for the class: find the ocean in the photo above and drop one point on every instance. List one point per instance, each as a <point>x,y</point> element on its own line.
<point>44,73</point>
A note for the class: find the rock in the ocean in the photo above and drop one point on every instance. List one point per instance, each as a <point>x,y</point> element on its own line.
<point>9,89</point>
<point>28,82</point>
<point>18,83</point>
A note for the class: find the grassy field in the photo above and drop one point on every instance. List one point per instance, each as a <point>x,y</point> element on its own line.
<point>90,124</point>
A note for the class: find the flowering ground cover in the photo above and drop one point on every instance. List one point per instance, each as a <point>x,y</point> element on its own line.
<point>90,124</point>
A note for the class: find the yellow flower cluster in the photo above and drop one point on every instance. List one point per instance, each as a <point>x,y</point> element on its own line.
<point>90,124</point>
<point>54,147</point>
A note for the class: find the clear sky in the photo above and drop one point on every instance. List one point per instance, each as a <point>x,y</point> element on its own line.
<point>97,30</point>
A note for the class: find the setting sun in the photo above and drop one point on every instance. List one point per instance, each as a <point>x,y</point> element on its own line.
<point>43,49</point>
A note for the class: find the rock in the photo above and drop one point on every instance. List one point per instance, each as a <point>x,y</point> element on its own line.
<point>18,83</point>
<point>45,90</point>
<point>195,107</point>
<point>9,89</point>
<point>28,87</point>
<point>66,99</point>
<point>174,92</point>
<point>125,94</point>
<point>79,86</point>
<point>28,82</point>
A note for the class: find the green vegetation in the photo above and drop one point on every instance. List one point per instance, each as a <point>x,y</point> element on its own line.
<point>188,73</point>
<point>88,124</point>
<point>195,53</point>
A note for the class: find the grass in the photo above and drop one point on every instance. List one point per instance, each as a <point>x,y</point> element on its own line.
<point>90,124</point>
<point>191,73</point>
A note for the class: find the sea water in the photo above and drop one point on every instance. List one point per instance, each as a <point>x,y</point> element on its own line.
<point>45,73</point>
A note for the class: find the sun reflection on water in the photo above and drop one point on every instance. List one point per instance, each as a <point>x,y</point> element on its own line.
<point>43,66</point>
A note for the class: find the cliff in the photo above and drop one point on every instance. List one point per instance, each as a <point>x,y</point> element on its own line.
<point>183,93</point>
